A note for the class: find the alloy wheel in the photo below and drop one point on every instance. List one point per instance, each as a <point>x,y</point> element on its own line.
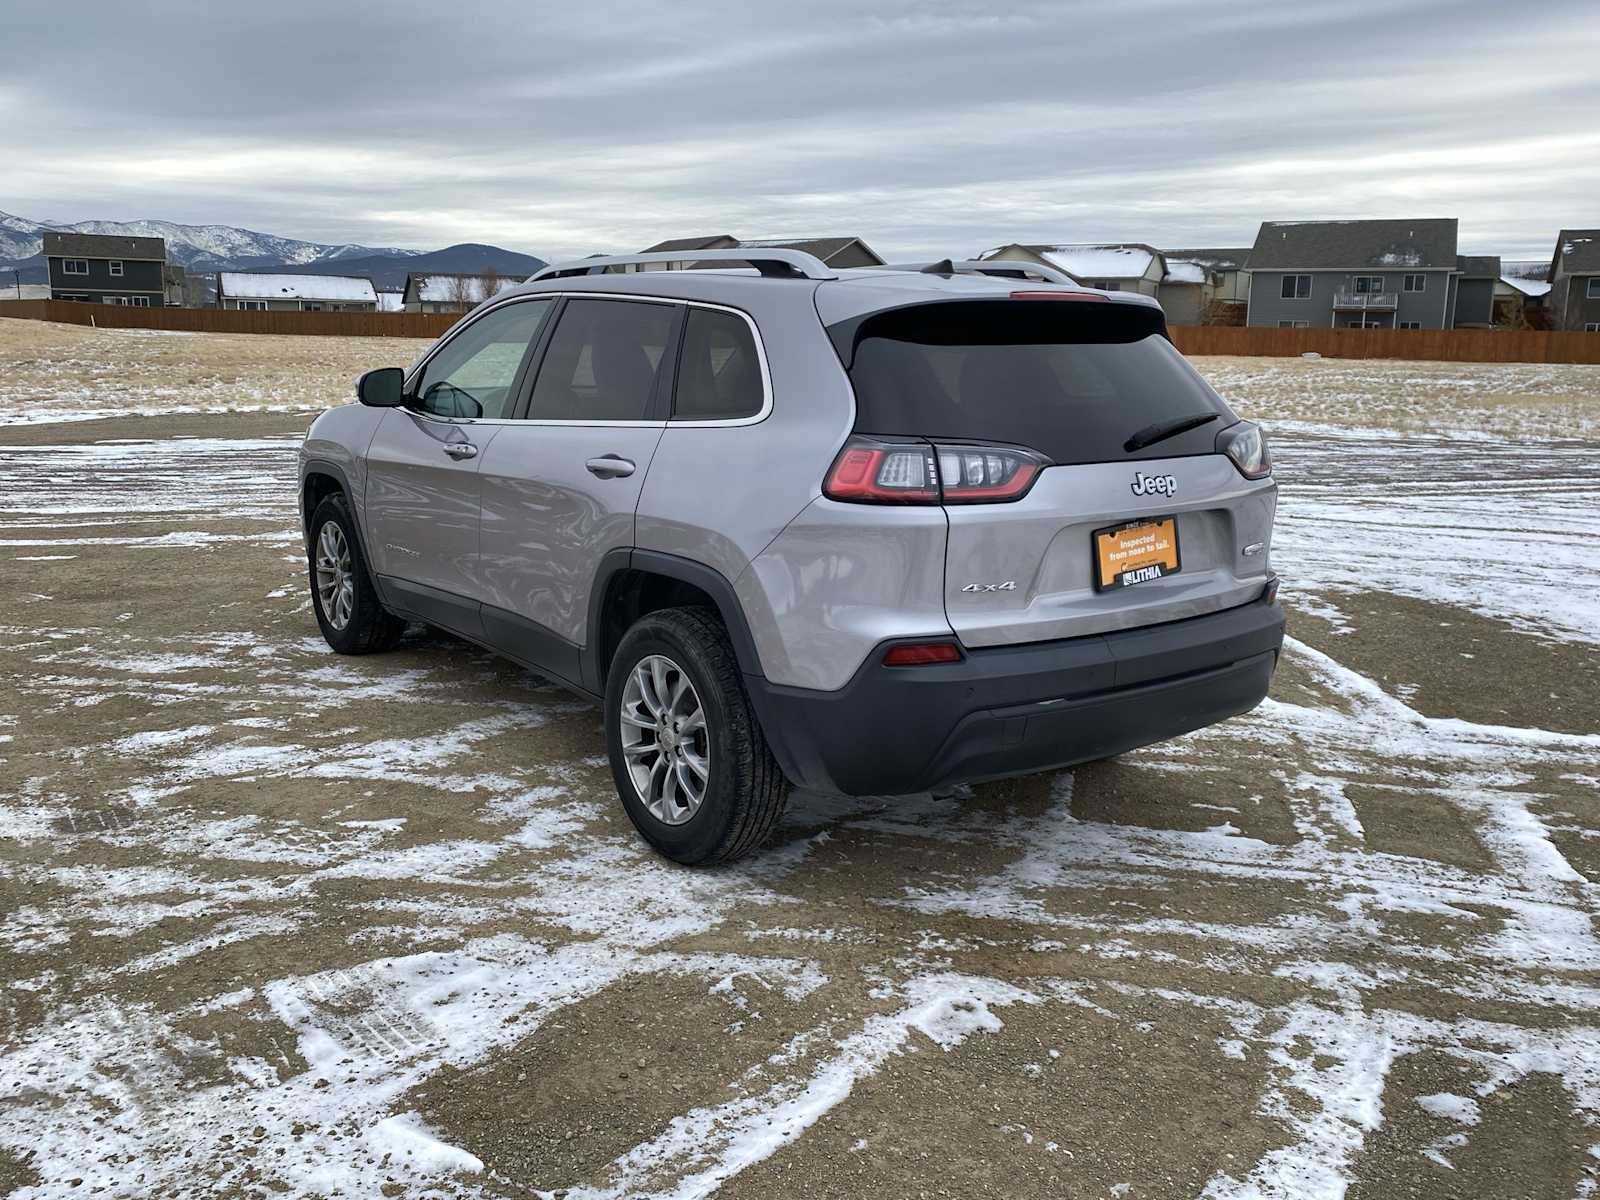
<point>336,585</point>
<point>664,739</point>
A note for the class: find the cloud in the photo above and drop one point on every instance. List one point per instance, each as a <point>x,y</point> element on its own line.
<point>930,128</point>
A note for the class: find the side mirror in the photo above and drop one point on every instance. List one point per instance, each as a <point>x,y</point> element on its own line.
<point>383,388</point>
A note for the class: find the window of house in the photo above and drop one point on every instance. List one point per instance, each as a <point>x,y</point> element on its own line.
<point>1107,285</point>
<point>139,301</point>
<point>1294,324</point>
<point>74,266</point>
<point>1593,292</point>
<point>310,306</point>
<point>719,374</point>
<point>1592,327</point>
<point>1296,287</point>
<point>473,374</point>
<point>1410,324</point>
<point>1416,283</point>
<point>116,267</point>
<point>602,360</point>
<point>1368,284</point>
<point>253,305</point>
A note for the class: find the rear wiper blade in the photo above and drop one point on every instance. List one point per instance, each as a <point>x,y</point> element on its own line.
<point>1162,430</point>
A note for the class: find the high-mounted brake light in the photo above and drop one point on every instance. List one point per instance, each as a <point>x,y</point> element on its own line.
<point>1060,296</point>
<point>1246,446</point>
<point>869,471</point>
<point>921,654</point>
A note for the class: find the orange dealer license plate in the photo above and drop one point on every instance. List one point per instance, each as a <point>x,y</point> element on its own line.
<point>1135,553</point>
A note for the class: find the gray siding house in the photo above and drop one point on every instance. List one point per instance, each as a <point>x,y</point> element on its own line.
<point>1358,274</point>
<point>264,291</point>
<point>1575,281</point>
<point>100,269</point>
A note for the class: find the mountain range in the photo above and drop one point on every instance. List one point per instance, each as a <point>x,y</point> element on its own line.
<point>210,248</point>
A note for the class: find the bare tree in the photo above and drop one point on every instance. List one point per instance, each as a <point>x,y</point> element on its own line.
<point>491,281</point>
<point>462,292</point>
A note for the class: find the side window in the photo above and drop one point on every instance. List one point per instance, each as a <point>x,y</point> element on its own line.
<point>719,375</point>
<point>602,361</point>
<point>472,375</point>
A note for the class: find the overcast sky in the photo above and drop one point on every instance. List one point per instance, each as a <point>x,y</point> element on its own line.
<point>928,128</point>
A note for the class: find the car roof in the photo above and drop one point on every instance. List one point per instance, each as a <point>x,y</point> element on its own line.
<point>853,292</point>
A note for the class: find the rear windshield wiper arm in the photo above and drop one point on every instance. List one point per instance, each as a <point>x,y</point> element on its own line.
<point>1162,430</point>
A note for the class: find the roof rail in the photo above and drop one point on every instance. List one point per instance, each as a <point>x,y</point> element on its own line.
<point>775,263</point>
<point>999,268</point>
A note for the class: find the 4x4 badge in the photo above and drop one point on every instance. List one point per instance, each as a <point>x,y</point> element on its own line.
<point>1149,485</point>
<point>1009,585</point>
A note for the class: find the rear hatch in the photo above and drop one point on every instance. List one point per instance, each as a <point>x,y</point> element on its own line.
<point>1087,471</point>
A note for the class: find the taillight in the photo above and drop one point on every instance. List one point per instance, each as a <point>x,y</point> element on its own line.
<point>872,472</point>
<point>1246,446</point>
<point>987,474</point>
<point>869,471</point>
<point>921,654</point>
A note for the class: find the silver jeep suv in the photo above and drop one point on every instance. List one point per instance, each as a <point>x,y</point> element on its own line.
<point>874,531</point>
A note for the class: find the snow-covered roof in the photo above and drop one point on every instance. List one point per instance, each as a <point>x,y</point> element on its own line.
<point>253,285</point>
<point>391,302</point>
<point>1087,263</point>
<point>448,288</point>
<point>1181,270</point>
<point>1532,288</point>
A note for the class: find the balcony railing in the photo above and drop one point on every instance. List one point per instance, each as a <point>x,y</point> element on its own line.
<point>1366,300</point>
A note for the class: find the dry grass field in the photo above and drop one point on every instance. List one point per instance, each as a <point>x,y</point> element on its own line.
<point>278,923</point>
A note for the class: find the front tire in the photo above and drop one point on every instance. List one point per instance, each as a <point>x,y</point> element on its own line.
<point>352,618</point>
<point>688,756</point>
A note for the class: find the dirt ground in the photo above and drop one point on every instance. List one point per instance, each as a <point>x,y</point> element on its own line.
<point>279,923</point>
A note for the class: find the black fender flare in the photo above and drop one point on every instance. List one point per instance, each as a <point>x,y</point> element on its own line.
<point>708,579</point>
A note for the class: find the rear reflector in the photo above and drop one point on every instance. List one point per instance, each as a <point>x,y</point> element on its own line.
<point>1270,592</point>
<point>921,654</point>
<point>1059,296</point>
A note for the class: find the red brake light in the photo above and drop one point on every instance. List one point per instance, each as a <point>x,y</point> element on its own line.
<point>873,472</point>
<point>1059,296</point>
<point>884,473</point>
<point>921,654</point>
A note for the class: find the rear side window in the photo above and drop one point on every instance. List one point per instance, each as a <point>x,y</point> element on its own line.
<point>1070,379</point>
<point>719,375</point>
<point>602,361</point>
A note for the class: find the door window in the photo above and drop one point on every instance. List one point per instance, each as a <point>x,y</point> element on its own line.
<point>473,374</point>
<point>602,361</point>
<point>719,375</point>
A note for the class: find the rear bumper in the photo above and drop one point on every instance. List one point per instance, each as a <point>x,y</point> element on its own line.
<point>1014,710</point>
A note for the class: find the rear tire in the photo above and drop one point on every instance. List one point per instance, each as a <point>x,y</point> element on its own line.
<point>677,716</point>
<point>352,618</point>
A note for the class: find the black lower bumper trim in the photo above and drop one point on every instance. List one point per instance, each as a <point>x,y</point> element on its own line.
<point>1018,709</point>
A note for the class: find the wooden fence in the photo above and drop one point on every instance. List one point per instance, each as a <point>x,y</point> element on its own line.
<point>228,320</point>
<point>1446,345</point>
<point>1443,345</point>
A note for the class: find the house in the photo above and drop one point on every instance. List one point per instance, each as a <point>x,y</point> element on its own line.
<point>1575,281</point>
<point>266,292</point>
<point>101,269</point>
<point>1478,276</point>
<point>1222,299</point>
<point>1111,267</point>
<point>447,292</point>
<point>1520,294</point>
<point>833,251</point>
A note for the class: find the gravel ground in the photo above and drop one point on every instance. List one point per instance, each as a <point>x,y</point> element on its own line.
<point>274,922</point>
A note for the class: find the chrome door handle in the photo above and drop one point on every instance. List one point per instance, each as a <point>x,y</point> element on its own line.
<point>611,466</point>
<point>460,450</point>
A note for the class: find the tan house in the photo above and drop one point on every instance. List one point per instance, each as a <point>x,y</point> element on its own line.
<point>1207,286</point>
<point>1111,267</point>
<point>837,252</point>
<point>265,292</point>
<point>449,292</point>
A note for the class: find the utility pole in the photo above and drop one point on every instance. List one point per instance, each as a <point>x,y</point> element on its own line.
<point>17,276</point>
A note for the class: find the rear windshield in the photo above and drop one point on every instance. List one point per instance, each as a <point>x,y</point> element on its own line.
<point>1071,379</point>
